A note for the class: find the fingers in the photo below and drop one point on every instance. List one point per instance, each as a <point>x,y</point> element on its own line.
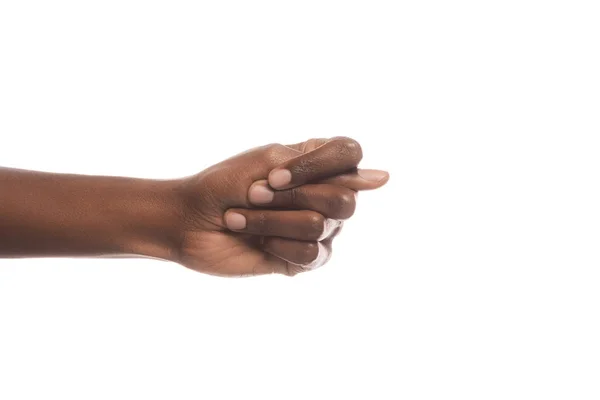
<point>336,156</point>
<point>308,255</point>
<point>300,225</point>
<point>329,200</point>
<point>300,256</point>
<point>361,179</point>
<point>333,197</point>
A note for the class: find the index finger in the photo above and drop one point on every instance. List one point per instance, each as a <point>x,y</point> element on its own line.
<point>338,155</point>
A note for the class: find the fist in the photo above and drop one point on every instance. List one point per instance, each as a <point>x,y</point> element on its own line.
<point>272,209</point>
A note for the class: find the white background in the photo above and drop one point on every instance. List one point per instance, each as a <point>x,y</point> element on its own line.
<point>473,275</point>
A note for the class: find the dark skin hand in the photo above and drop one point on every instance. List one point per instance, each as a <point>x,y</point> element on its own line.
<point>272,209</point>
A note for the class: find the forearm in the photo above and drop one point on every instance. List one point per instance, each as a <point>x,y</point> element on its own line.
<point>45,214</point>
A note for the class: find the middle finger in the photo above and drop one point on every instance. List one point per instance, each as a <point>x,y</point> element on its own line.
<point>332,201</point>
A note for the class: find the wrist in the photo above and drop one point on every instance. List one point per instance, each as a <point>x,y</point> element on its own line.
<point>155,227</point>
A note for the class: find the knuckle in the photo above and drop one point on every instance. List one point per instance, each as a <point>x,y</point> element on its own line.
<point>316,225</point>
<point>273,151</point>
<point>260,224</point>
<point>308,253</point>
<point>349,148</point>
<point>342,205</point>
<point>292,196</point>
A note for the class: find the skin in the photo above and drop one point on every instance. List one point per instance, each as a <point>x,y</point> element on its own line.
<point>272,209</point>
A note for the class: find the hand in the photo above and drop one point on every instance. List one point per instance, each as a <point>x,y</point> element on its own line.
<point>235,224</point>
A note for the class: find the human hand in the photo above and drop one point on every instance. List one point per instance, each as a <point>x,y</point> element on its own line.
<point>272,209</point>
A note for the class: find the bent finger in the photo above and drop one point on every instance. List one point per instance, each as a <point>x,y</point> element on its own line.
<point>332,158</point>
<point>297,224</point>
<point>330,200</point>
<point>303,255</point>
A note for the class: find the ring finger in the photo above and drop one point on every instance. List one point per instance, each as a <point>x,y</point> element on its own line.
<point>297,224</point>
<point>331,201</point>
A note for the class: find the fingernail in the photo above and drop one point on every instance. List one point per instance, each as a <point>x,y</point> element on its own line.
<point>235,221</point>
<point>373,175</point>
<point>280,178</point>
<point>260,194</point>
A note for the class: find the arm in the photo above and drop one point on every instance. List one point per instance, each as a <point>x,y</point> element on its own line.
<point>45,214</point>
<point>233,219</point>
